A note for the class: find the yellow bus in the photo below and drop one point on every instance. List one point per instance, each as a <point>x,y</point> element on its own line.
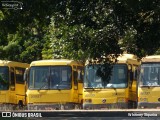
<point>12,86</point>
<point>149,82</point>
<point>120,92</point>
<point>54,84</point>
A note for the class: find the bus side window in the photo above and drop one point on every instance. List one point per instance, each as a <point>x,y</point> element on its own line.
<point>80,74</point>
<point>19,75</point>
<point>12,79</point>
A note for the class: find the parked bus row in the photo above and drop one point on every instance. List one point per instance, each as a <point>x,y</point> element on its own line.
<point>68,84</point>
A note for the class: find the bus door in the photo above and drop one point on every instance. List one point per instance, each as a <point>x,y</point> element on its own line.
<point>80,83</point>
<point>132,85</point>
<point>12,86</point>
<point>75,84</point>
<point>20,85</point>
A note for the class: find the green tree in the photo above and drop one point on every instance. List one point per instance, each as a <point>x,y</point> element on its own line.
<point>22,31</point>
<point>94,29</point>
<point>143,22</point>
<point>79,29</point>
<point>86,30</point>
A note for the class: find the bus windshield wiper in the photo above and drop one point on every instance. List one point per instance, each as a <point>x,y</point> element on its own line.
<point>42,86</point>
<point>57,86</point>
<point>111,86</point>
<point>88,88</point>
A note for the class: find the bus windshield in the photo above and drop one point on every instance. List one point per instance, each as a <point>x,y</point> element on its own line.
<point>118,78</point>
<point>50,77</point>
<point>149,74</point>
<point>4,78</point>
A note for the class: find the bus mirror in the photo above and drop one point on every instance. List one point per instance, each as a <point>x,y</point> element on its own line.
<point>129,67</point>
<point>80,76</point>
<point>25,75</point>
<point>138,70</point>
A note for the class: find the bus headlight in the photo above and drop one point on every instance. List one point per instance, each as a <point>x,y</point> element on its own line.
<point>121,99</point>
<point>87,100</point>
<point>143,100</point>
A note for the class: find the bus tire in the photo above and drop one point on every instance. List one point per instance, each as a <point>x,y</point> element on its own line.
<point>20,104</point>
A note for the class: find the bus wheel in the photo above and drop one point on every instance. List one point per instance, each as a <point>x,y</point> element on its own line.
<point>130,105</point>
<point>11,107</point>
<point>14,107</point>
<point>76,107</point>
<point>134,105</point>
<point>62,107</point>
<point>20,104</point>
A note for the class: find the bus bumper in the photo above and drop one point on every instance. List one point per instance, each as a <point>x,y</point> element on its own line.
<point>105,106</point>
<point>148,105</point>
<point>7,106</point>
<point>66,106</point>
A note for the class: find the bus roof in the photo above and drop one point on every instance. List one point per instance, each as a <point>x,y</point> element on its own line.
<point>54,62</point>
<point>123,58</point>
<point>4,61</point>
<point>12,63</point>
<point>152,58</point>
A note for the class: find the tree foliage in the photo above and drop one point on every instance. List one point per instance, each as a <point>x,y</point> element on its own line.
<point>22,31</point>
<point>85,29</point>
<point>144,20</point>
<point>95,29</point>
<point>79,29</point>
